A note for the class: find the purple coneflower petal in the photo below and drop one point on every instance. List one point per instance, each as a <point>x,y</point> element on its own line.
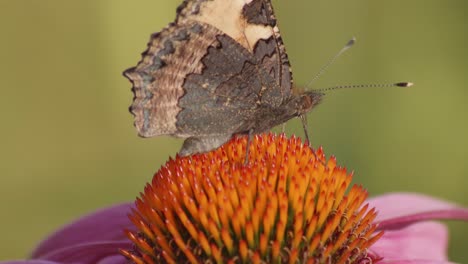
<point>422,241</point>
<point>401,209</point>
<point>414,262</point>
<point>101,227</point>
<point>29,262</point>
<point>97,252</point>
<point>114,260</point>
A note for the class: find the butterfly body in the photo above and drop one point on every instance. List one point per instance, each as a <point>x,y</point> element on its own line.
<point>220,69</point>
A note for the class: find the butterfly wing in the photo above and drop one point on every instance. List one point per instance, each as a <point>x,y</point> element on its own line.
<point>252,24</point>
<point>206,74</point>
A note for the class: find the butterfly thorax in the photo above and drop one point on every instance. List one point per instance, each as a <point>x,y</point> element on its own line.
<point>296,105</point>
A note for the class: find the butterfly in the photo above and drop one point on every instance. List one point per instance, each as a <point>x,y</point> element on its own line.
<point>219,70</point>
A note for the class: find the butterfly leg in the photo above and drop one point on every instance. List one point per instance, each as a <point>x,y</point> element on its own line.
<point>306,132</point>
<point>195,145</point>
<point>283,128</point>
<point>305,127</point>
<point>249,141</point>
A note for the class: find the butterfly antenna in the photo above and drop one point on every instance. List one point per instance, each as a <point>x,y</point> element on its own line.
<point>379,85</point>
<point>331,61</point>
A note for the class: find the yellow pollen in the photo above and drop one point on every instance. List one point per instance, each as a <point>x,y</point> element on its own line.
<point>288,204</point>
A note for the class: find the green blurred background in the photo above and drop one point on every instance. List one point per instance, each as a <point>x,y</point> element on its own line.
<point>68,145</point>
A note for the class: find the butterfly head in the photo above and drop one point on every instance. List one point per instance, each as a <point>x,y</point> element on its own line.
<point>304,102</point>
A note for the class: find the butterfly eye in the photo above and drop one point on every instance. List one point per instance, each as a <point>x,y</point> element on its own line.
<point>307,101</point>
<point>303,104</point>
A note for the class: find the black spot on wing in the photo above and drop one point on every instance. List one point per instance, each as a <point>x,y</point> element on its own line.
<point>256,12</point>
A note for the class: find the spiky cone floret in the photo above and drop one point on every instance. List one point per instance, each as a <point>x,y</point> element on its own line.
<point>287,205</point>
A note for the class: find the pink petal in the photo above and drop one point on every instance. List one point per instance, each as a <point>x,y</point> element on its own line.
<point>105,225</point>
<point>91,253</point>
<point>422,241</point>
<point>399,204</point>
<point>113,260</point>
<point>29,262</point>
<point>420,261</point>
<point>401,209</point>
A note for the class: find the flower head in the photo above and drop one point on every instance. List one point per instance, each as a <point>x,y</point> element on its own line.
<point>286,205</point>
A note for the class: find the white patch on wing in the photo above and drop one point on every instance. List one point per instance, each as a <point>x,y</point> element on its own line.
<point>226,15</point>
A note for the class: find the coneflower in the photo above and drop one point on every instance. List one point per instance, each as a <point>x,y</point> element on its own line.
<point>286,205</point>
